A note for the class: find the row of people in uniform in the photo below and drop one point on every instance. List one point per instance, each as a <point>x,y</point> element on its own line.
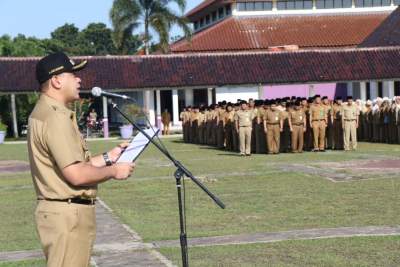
<point>380,120</point>
<point>286,125</point>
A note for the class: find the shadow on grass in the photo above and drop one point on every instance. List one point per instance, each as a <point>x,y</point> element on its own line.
<point>230,154</point>
<point>179,141</point>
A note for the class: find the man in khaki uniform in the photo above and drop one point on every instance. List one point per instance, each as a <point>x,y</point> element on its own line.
<point>318,121</point>
<point>64,174</point>
<point>337,124</point>
<point>297,123</point>
<point>273,126</point>
<point>229,124</point>
<point>260,134</point>
<point>235,133</point>
<point>329,126</point>
<point>285,134</point>
<point>166,121</point>
<point>194,125</point>
<point>252,108</point>
<point>244,118</point>
<point>221,125</point>
<point>350,124</point>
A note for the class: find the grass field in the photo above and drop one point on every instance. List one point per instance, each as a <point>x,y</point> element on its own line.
<point>260,194</point>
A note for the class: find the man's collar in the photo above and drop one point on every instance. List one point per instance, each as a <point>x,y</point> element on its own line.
<point>55,103</point>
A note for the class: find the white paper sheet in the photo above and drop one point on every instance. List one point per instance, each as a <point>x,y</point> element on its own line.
<point>137,145</point>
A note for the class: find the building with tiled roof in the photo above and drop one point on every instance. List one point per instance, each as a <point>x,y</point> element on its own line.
<point>260,25</point>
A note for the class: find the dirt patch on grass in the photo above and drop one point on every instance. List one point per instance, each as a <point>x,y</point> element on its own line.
<point>12,166</point>
<point>350,170</point>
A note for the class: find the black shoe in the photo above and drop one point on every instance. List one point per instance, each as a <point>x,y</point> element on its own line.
<point>322,150</point>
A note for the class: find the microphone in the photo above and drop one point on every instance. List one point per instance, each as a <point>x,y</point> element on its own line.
<point>97,91</point>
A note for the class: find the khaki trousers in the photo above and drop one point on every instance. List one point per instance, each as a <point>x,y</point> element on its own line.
<point>350,131</point>
<point>319,134</point>
<point>67,232</point>
<point>273,138</point>
<point>297,138</point>
<point>165,128</point>
<point>245,139</point>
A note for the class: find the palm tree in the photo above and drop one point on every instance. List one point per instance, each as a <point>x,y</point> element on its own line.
<point>126,15</point>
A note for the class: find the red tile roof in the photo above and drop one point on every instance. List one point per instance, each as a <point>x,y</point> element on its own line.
<point>387,34</point>
<point>306,31</point>
<point>217,69</point>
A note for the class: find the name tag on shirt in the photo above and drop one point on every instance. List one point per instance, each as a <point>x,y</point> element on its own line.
<point>276,118</point>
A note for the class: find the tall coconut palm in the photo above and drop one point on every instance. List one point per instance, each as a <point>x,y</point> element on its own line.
<point>126,15</point>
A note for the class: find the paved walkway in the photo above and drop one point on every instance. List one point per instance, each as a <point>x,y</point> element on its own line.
<point>117,245</point>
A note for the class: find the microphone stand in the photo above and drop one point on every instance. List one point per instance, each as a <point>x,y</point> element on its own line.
<point>180,173</point>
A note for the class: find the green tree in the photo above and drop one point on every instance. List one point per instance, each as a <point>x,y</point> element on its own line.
<point>6,45</point>
<point>126,15</point>
<point>68,36</point>
<point>24,47</point>
<point>96,40</point>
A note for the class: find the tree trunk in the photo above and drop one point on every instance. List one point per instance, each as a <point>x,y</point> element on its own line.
<point>146,34</point>
<point>14,116</point>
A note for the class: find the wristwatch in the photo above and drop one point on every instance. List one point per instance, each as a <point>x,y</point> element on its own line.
<point>107,159</point>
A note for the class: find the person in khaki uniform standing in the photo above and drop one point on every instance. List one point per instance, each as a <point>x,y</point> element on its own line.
<point>64,175</point>
<point>166,121</point>
<point>260,134</point>
<point>318,121</point>
<point>235,133</point>
<point>243,119</point>
<point>297,123</point>
<point>229,124</point>
<point>329,126</point>
<point>350,124</point>
<point>221,125</point>
<point>273,126</point>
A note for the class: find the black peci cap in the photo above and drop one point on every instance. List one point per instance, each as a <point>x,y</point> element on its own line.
<point>54,64</point>
<point>349,97</point>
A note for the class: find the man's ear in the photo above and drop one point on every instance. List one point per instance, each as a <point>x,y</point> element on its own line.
<point>55,82</point>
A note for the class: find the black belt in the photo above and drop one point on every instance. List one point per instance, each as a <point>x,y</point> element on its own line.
<point>319,120</point>
<point>298,124</point>
<point>349,120</point>
<point>75,200</point>
<point>273,123</point>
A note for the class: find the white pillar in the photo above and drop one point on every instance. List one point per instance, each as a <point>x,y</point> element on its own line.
<point>260,92</point>
<point>373,89</point>
<point>175,107</point>
<point>363,91</point>
<point>105,117</point>
<point>158,103</point>
<point>152,110</point>
<point>210,96</point>
<point>14,116</point>
<point>350,88</point>
<point>388,89</point>
<point>148,105</point>
<point>188,97</point>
